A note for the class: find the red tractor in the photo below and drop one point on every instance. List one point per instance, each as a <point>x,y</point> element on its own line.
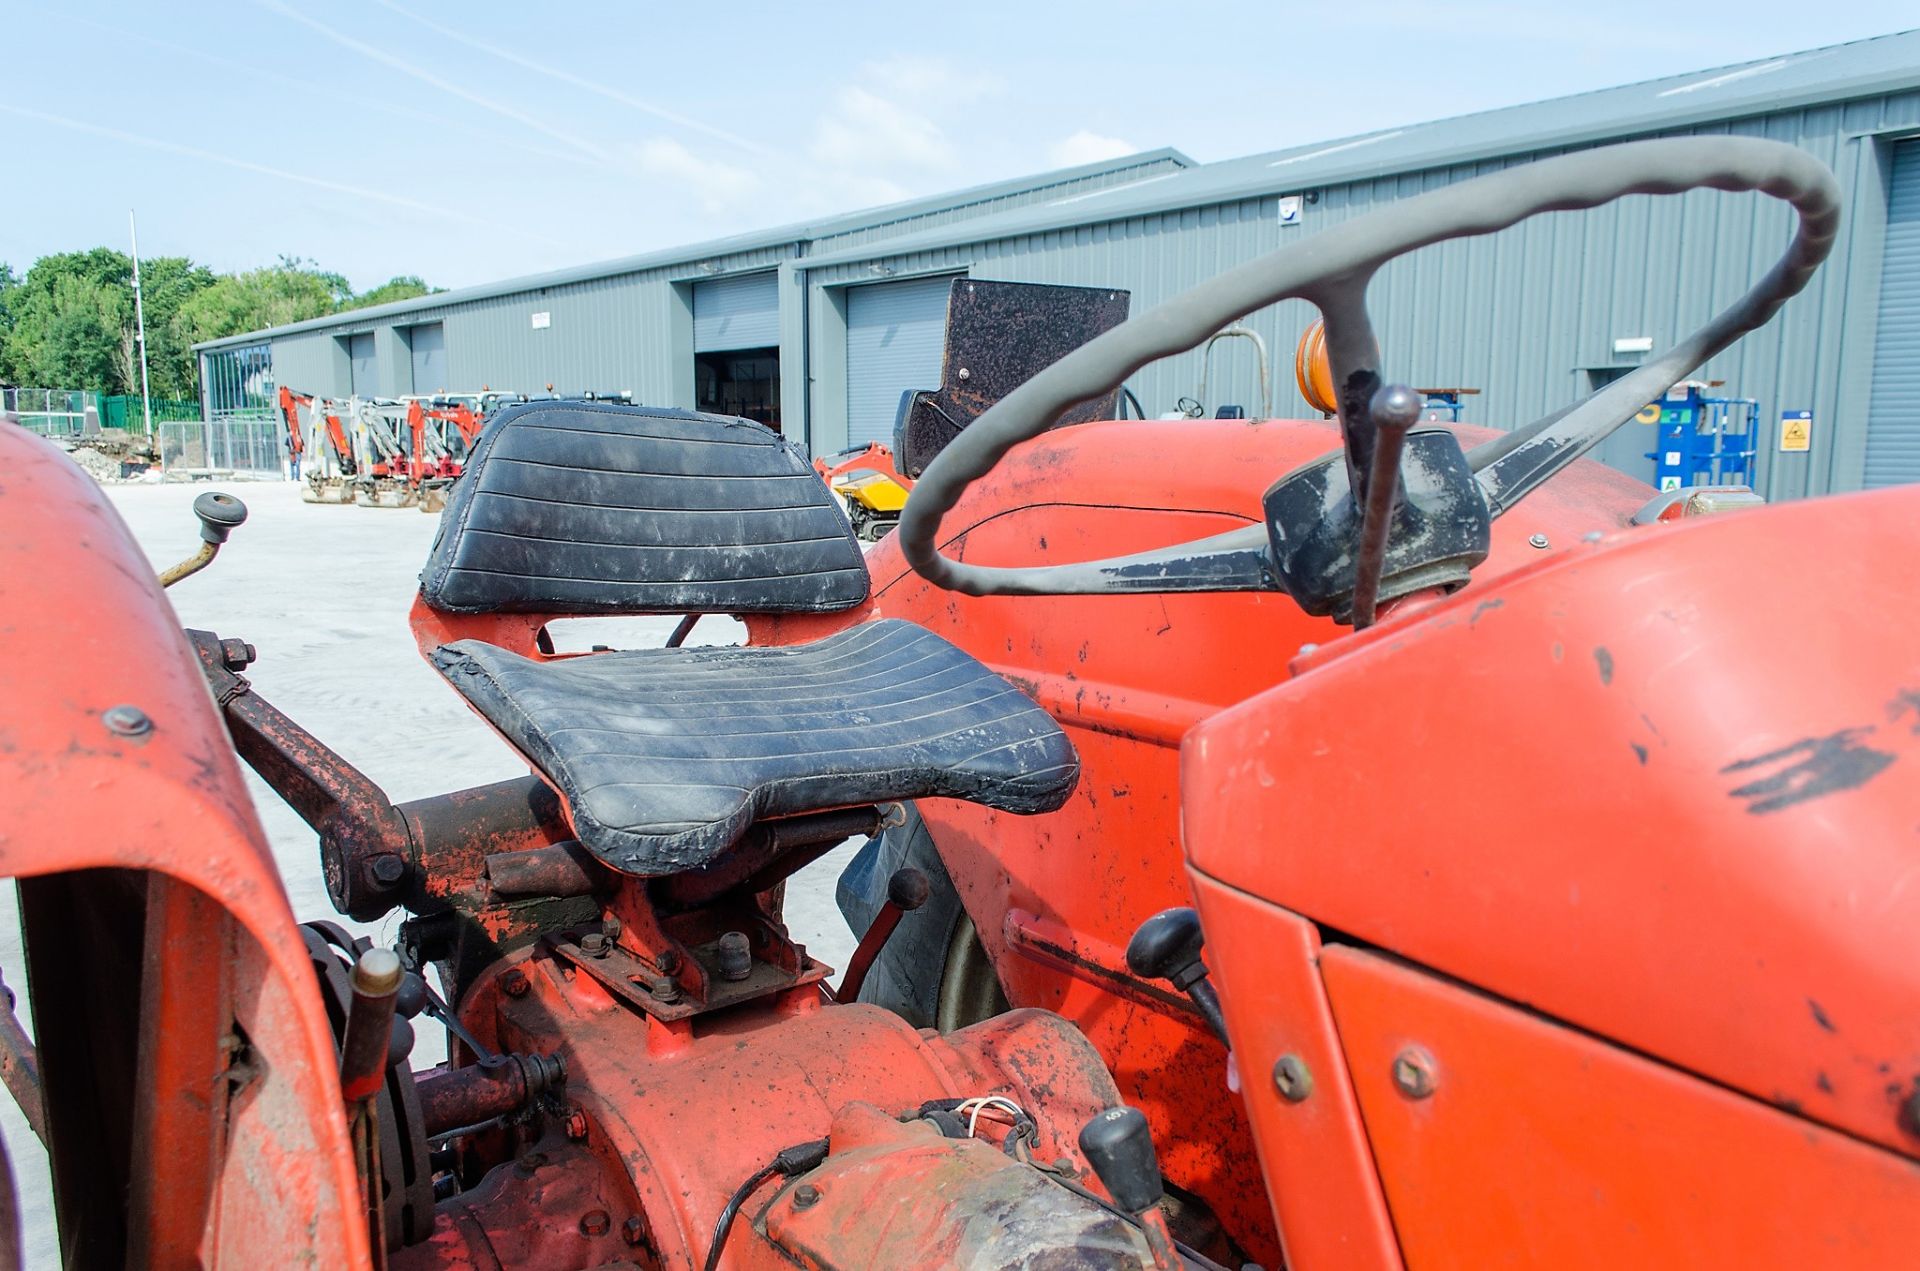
<point>1366,843</point>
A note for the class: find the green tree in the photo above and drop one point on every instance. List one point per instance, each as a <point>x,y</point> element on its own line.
<point>71,322</point>
<point>291,291</point>
<point>404,287</point>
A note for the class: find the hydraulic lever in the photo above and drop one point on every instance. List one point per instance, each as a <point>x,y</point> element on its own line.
<point>1167,947</point>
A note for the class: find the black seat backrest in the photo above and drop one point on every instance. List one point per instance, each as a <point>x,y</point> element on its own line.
<point>597,508</point>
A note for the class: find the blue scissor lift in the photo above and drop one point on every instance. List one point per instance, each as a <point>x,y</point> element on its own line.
<point>1702,440</point>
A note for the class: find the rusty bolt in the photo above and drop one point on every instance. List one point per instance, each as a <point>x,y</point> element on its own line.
<point>237,655</point>
<point>612,926</point>
<point>1413,1072</point>
<point>668,961</point>
<point>386,869</point>
<point>1291,1078</point>
<point>595,945</point>
<point>806,1196</point>
<point>576,1125</point>
<point>595,1223</point>
<point>126,721</point>
<point>514,983</point>
<point>633,1231</point>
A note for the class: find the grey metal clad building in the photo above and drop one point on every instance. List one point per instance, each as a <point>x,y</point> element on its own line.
<point>1532,317</point>
<point>714,324</point>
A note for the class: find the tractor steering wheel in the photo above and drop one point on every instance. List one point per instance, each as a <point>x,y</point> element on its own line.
<point>1332,270</point>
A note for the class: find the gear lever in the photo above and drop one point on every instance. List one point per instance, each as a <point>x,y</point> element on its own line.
<point>1119,1146</point>
<point>1167,947</point>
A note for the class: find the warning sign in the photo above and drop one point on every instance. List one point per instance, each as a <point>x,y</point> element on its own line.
<point>1649,414</point>
<point>1796,430</point>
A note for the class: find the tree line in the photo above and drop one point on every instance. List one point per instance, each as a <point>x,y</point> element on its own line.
<point>69,321</point>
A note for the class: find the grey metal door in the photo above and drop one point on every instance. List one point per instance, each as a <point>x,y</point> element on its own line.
<point>1893,419</point>
<point>742,312</point>
<point>427,345</point>
<point>896,335</point>
<point>366,377</point>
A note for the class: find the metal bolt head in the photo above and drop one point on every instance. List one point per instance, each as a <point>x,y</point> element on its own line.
<point>633,1231</point>
<point>237,655</point>
<point>126,721</point>
<point>514,983</point>
<point>577,1125</point>
<point>1537,540</point>
<point>1292,1079</point>
<point>1413,1072</point>
<point>595,945</point>
<point>965,374</point>
<point>387,869</point>
<point>595,1222</point>
<point>806,1196</point>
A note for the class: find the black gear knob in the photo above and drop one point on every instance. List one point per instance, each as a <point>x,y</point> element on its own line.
<point>1119,1146</point>
<point>220,514</point>
<point>1167,947</point>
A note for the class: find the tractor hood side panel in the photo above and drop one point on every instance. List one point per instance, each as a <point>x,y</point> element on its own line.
<point>1720,719</point>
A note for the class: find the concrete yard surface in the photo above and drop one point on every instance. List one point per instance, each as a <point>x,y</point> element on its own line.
<point>323,593</point>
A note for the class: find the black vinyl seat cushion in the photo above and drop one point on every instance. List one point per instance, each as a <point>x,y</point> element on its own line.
<point>667,756</point>
<point>602,508</point>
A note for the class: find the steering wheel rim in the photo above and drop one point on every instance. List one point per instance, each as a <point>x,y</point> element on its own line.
<point>1332,270</point>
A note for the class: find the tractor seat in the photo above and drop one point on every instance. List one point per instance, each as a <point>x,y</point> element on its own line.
<point>666,756</point>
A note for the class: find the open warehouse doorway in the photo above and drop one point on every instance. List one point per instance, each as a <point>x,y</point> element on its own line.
<point>736,347</point>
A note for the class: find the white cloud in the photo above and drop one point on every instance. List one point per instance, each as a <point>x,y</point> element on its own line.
<point>1087,147</point>
<point>718,185</point>
<point>865,131</point>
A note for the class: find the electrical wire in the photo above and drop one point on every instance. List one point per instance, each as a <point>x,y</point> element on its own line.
<point>724,1223</point>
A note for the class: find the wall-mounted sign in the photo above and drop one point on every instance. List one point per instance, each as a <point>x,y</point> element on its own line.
<point>1796,430</point>
<point>1290,210</point>
<point>1633,344</point>
<point>541,321</point>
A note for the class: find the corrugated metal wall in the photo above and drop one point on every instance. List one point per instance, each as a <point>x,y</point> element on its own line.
<point>628,332</point>
<point>1525,315</point>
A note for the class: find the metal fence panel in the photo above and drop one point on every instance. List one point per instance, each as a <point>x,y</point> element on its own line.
<point>252,446</point>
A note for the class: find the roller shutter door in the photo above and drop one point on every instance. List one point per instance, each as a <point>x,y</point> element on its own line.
<point>364,369</point>
<point>428,347</point>
<point>1893,419</point>
<point>737,313</point>
<point>896,335</point>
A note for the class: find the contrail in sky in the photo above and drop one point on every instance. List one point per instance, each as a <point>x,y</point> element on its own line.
<point>427,77</point>
<point>568,77</point>
<point>290,82</point>
<point>247,165</point>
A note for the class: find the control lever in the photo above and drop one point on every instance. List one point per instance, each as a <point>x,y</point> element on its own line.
<point>907,890</point>
<point>220,514</point>
<point>1167,947</point>
<point>1119,1146</point>
<point>1391,411</point>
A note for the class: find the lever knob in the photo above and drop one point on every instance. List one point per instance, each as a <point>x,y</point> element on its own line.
<point>220,514</point>
<point>1395,406</point>
<point>1167,947</point>
<point>1119,1146</point>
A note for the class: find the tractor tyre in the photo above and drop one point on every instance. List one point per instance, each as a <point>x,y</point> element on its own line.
<point>933,972</point>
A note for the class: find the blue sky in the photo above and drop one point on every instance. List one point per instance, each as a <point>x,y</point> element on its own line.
<point>472,141</point>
